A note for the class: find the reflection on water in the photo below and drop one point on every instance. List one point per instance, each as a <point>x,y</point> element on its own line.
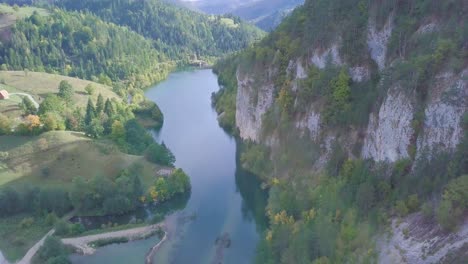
<point>254,197</point>
<point>140,215</point>
<point>225,214</point>
<point>127,253</point>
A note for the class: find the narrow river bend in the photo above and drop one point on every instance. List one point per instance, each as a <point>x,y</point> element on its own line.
<point>224,216</point>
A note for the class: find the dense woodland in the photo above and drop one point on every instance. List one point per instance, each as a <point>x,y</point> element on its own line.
<point>332,216</point>
<point>179,33</point>
<point>83,46</point>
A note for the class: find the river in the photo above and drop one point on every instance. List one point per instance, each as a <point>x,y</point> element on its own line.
<point>224,216</point>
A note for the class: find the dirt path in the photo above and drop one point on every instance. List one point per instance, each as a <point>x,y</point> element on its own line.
<point>81,244</point>
<point>33,250</point>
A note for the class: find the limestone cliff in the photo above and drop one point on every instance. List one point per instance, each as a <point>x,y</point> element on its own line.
<point>386,87</point>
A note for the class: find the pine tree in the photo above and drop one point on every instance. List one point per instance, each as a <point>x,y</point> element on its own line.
<point>66,91</point>
<point>108,108</point>
<point>90,112</point>
<point>99,104</point>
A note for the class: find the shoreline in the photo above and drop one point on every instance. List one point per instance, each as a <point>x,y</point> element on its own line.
<point>154,249</point>
<point>81,245</point>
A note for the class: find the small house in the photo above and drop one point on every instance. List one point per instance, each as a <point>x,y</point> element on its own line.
<point>4,95</point>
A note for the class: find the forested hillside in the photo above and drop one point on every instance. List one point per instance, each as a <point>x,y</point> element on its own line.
<point>354,113</point>
<point>179,33</point>
<point>265,14</point>
<point>83,46</point>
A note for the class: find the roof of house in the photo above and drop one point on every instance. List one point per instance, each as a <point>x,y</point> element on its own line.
<point>4,93</point>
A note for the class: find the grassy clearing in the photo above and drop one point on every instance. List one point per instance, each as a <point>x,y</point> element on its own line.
<point>40,84</point>
<point>16,240</point>
<point>22,11</point>
<point>9,14</point>
<point>55,158</point>
<point>229,22</point>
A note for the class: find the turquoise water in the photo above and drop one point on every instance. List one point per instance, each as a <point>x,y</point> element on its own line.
<point>127,253</point>
<point>226,202</point>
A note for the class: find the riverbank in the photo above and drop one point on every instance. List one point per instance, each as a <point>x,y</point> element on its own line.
<point>83,244</point>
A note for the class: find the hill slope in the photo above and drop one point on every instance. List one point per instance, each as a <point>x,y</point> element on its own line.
<point>355,114</point>
<point>265,14</point>
<point>39,85</point>
<point>178,32</point>
<point>82,45</point>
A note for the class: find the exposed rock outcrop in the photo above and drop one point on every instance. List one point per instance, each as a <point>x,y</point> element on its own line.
<point>310,123</point>
<point>418,240</point>
<point>448,102</point>
<point>252,103</point>
<point>377,41</point>
<point>389,132</point>
<point>321,58</point>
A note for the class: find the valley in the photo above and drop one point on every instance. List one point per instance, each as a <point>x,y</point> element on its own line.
<point>316,131</point>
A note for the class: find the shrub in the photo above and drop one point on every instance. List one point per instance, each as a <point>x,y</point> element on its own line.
<point>413,203</point>
<point>90,89</point>
<point>160,154</point>
<point>62,228</point>
<point>427,209</point>
<point>51,219</point>
<point>454,203</point>
<point>53,251</point>
<point>26,222</point>
<point>401,208</point>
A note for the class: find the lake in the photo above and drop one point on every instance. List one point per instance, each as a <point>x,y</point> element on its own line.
<point>224,216</point>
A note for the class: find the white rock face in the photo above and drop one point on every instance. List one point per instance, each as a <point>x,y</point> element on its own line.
<point>311,122</point>
<point>300,71</point>
<point>389,133</point>
<point>444,112</point>
<point>428,28</point>
<point>248,112</point>
<point>359,73</point>
<point>377,41</point>
<point>320,58</point>
<point>425,241</point>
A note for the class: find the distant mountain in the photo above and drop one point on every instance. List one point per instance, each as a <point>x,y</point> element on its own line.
<point>266,14</point>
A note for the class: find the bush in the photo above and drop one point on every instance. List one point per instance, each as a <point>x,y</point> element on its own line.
<point>447,216</point>
<point>90,89</point>
<point>401,208</point>
<point>167,187</point>
<point>76,229</point>
<point>19,241</point>
<point>5,125</point>
<point>427,209</point>
<point>454,203</point>
<point>53,251</point>
<point>62,228</point>
<point>160,154</point>
<point>26,222</point>
<point>4,155</point>
<point>51,219</point>
<point>413,203</point>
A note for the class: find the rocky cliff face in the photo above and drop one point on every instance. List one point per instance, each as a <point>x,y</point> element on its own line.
<point>371,110</point>
<point>251,104</point>
<point>415,240</point>
<point>390,131</point>
<point>443,114</point>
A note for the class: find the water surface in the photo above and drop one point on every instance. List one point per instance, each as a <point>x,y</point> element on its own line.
<point>226,203</point>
